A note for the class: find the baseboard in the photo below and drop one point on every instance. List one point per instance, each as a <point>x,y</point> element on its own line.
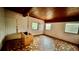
<point>38,34</point>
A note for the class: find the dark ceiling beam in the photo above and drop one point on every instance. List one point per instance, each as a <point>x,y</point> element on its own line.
<point>64,19</point>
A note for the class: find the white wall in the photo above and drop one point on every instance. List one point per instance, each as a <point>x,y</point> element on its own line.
<point>58,31</point>
<point>11,18</point>
<point>2,26</point>
<point>41,26</point>
<point>10,24</point>
<point>24,24</point>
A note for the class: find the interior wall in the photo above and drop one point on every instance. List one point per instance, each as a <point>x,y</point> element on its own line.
<point>24,24</point>
<point>2,26</point>
<point>41,26</point>
<point>58,31</point>
<point>13,19</point>
<point>10,22</point>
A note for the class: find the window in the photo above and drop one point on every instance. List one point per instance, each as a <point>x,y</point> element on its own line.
<point>48,26</point>
<point>34,26</point>
<point>72,28</point>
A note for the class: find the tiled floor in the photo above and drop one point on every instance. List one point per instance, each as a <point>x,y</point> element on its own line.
<point>64,46</point>
<point>42,43</point>
<point>45,43</point>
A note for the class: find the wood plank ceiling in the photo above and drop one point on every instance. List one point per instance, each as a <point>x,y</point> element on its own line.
<point>49,14</point>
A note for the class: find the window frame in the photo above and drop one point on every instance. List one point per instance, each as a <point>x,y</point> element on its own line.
<point>50,26</point>
<point>72,25</point>
<point>37,26</point>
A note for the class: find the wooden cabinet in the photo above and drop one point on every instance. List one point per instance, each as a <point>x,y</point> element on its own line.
<point>18,44</point>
